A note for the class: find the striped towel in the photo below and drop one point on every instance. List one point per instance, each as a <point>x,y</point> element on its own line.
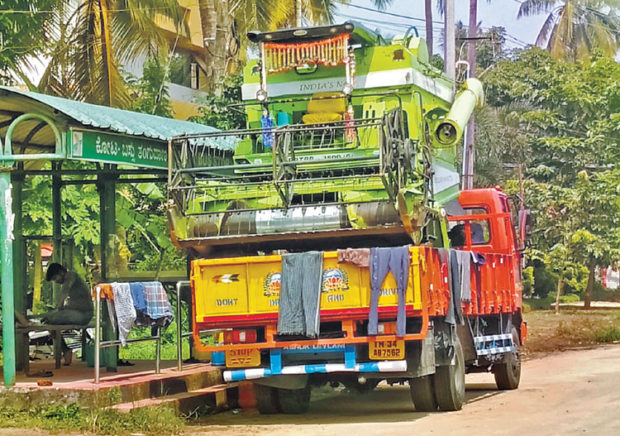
<point>125,312</point>
<point>157,304</point>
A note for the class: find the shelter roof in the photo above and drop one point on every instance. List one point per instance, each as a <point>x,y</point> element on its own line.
<point>86,115</point>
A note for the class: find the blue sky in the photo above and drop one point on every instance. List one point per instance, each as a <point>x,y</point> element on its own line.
<point>495,13</point>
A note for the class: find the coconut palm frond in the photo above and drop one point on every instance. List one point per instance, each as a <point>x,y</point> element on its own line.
<point>545,30</point>
<point>535,7</point>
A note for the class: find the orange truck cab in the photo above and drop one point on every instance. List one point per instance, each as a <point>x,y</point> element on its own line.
<point>462,306</point>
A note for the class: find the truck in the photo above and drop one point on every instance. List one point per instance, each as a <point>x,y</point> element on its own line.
<point>330,241</point>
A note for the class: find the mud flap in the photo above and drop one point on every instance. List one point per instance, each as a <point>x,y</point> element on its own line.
<point>421,356</point>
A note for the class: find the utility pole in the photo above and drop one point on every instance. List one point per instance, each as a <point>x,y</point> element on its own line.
<point>469,155</point>
<point>449,54</point>
<point>297,13</point>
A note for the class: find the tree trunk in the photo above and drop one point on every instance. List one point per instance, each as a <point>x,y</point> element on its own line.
<point>428,16</point>
<point>471,126</point>
<point>559,292</point>
<point>472,32</point>
<point>590,286</point>
<point>216,23</point>
<point>106,54</point>
<point>298,12</point>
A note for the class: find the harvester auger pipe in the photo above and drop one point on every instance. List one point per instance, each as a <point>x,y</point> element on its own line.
<point>449,130</point>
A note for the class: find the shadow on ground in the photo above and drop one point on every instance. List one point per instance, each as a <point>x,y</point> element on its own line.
<point>385,404</point>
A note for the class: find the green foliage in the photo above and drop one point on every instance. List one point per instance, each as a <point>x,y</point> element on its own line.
<point>21,35</point>
<point>140,211</point>
<point>527,280</point>
<point>150,92</point>
<point>570,298</point>
<point>608,334</point>
<point>544,281</point>
<point>559,122</point>
<point>80,205</point>
<point>216,110</point>
<point>72,417</point>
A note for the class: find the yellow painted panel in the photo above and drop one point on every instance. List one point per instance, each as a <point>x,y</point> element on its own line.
<point>414,277</point>
<point>264,285</point>
<point>341,287</point>
<point>221,290</point>
<point>255,287</point>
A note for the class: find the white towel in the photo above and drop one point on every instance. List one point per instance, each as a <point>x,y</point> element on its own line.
<point>125,310</point>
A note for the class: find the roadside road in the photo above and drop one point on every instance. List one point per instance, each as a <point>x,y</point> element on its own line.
<point>572,392</point>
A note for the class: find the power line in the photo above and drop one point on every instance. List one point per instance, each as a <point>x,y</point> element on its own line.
<point>392,14</point>
<point>384,23</point>
<point>512,38</point>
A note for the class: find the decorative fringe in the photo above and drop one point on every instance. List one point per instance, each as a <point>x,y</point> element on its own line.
<point>281,57</point>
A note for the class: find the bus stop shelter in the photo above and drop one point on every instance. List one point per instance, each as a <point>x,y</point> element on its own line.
<point>38,134</point>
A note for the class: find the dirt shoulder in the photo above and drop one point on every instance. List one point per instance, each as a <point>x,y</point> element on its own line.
<point>570,329</point>
<point>575,392</point>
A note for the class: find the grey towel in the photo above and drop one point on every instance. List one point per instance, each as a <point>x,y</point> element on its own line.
<point>464,261</point>
<point>382,261</point>
<point>455,311</point>
<point>300,294</point>
<point>125,311</point>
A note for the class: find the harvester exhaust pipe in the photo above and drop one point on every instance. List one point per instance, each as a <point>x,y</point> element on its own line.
<point>449,130</point>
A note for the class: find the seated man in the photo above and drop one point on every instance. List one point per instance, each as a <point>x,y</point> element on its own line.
<point>76,305</point>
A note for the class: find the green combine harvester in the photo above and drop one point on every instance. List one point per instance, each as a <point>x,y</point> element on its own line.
<point>348,136</point>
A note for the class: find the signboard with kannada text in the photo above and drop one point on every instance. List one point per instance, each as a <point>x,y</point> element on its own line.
<point>119,149</point>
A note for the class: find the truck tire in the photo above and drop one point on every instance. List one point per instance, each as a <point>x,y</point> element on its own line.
<point>449,382</point>
<point>422,394</point>
<point>294,401</point>
<point>266,399</point>
<point>508,373</point>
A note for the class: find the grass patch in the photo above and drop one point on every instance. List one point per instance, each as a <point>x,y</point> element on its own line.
<point>549,332</point>
<point>71,417</point>
<point>607,334</point>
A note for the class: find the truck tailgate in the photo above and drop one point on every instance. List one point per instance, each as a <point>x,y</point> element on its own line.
<point>251,286</point>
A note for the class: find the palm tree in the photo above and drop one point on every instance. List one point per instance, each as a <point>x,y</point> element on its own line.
<point>574,28</point>
<point>225,24</point>
<point>428,18</point>
<point>93,39</point>
<point>22,36</point>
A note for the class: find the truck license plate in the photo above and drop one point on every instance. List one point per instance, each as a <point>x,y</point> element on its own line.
<point>386,350</point>
<point>242,358</point>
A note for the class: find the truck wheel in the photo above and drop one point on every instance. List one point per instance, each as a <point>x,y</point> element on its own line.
<point>508,373</point>
<point>294,401</point>
<point>266,399</point>
<point>449,382</point>
<point>422,394</point>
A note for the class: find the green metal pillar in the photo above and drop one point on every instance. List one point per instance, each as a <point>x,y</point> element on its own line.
<point>19,265</point>
<point>6,275</point>
<point>107,211</point>
<point>56,223</point>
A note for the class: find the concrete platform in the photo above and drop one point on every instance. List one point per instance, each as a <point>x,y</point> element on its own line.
<point>131,384</point>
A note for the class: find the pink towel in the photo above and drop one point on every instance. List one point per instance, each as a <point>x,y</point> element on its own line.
<point>355,256</point>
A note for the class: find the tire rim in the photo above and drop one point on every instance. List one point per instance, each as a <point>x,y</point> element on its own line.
<point>459,373</point>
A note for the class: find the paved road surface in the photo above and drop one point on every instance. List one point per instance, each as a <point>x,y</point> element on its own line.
<point>574,392</point>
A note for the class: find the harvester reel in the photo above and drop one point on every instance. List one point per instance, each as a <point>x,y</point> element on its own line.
<point>284,174</point>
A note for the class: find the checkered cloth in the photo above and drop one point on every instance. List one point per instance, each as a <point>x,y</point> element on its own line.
<point>157,304</point>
